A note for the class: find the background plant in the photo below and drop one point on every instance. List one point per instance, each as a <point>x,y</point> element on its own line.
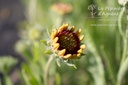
<point>104,45</point>
<point>105,62</point>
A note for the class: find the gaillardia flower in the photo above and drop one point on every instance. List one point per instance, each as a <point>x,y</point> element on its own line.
<point>66,43</point>
<point>62,8</point>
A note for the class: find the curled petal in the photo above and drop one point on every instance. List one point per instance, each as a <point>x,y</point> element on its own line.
<point>55,40</point>
<point>82,46</point>
<point>79,51</point>
<point>81,37</point>
<point>63,27</point>
<point>67,56</point>
<point>78,55</point>
<point>62,52</point>
<point>72,28</point>
<point>66,25</point>
<point>56,46</point>
<point>78,32</point>
<point>53,34</point>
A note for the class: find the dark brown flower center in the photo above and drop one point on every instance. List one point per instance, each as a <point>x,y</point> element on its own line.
<point>69,41</point>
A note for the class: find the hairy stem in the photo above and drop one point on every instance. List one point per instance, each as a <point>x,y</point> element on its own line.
<point>124,50</point>
<point>125,45</point>
<point>46,71</point>
<point>120,20</point>
<point>125,38</point>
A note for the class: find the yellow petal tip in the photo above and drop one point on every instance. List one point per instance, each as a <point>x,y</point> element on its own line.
<point>55,40</point>
<point>78,32</point>
<point>67,56</point>
<point>62,52</point>
<point>72,28</point>
<point>66,25</point>
<point>56,46</point>
<point>78,55</point>
<point>79,51</point>
<point>63,27</point>
<point>53,34</point>
<point>81,37</point>
<point>82,46</point>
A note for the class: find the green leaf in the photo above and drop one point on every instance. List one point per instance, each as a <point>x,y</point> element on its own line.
<point>44,42</point>
<point>6,63</point>
<point>7,80</point>
<point>70,63</point>
<point>58,62</point>
<point>48,32</point>
<point>25,77</point>
<point>48,51</point>
<point>81,55</point>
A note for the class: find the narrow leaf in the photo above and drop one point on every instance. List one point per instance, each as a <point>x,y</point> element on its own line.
<point>58,62</point>
<point>48,32</point>
<point>48,52</point>
<point>44,42</point>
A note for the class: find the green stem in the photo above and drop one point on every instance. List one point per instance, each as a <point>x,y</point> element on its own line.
<point>125,43</point>
<point>120,20</point>
<point>125,38</point>
<point>124,50</point>
<point>48,64</point>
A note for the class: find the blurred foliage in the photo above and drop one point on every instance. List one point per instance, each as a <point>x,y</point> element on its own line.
<point>104,43</point>
<point>6,64</point>
<point>104,51</point>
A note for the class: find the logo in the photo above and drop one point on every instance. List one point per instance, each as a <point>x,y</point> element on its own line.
<point>92,9</point>
<point>104,14</point>
<point>106,11</point>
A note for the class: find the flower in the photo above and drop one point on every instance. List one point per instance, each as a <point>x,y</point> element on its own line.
<point>66,43</point>
<point>122,2</point>
<point>62,8</point>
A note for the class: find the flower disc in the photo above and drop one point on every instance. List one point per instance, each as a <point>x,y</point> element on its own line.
<point>68,40</point>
